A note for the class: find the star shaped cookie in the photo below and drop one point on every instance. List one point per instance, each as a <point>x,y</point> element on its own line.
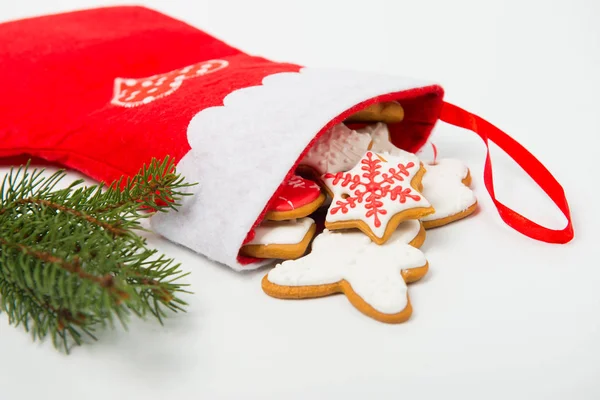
<point>376,195</point>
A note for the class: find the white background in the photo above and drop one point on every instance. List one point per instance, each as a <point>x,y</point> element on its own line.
<point>499,315</point>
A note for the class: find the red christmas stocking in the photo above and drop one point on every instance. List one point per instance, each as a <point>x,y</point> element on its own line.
<point>103,91</point>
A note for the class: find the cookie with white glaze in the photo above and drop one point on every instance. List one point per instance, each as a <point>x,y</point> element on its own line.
<point>373,277</point>
<point>376,195</point>
<point>337,150</point>
<point>381,140</point>
<point>283,240</point>
<point>446,186</point>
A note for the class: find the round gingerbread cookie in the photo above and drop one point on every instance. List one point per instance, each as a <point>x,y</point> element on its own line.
<point>373,277</point>
<point>298,198</point>
<point>284,240</point>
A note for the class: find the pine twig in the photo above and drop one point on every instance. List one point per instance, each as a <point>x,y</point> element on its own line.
<point>71,260</point>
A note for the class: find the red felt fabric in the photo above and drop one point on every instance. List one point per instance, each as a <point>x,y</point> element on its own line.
<point>58,73</point>
<point>531,165</point>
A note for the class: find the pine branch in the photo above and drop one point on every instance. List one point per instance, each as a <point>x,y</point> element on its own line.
<point>41,202</point>
<point>71,259</point>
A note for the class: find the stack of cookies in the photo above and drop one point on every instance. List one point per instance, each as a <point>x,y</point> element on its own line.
<point>379,202</point>
<point>287,230</point>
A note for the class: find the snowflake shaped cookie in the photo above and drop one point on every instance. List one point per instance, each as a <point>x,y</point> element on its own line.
<point>337,150</point>
<point>372,277</point>
<point>446,186</point>
<point>376,195</point>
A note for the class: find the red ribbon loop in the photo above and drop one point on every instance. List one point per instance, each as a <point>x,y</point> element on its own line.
<point>532,166</point>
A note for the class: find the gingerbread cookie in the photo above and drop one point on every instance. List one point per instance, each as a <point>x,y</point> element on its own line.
<point>337,150</point>
<point>372,277</point>
<point>284,240</point>
<point>388,111</point>
<point>298,198</point>
<point>377,195</point>
<point>381,141</point>
<point>446,186</point>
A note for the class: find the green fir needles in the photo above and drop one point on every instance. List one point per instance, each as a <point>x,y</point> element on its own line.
<point>71,260</point>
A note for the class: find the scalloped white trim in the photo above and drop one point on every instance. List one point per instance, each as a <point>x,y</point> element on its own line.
<point>242,151</point>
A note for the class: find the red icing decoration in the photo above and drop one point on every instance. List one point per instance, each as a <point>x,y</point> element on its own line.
<point>373,191</point>
<point>295,193</point>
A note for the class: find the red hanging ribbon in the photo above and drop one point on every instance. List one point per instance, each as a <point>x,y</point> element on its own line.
<point>535,169</point>
<point>434,147</point>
